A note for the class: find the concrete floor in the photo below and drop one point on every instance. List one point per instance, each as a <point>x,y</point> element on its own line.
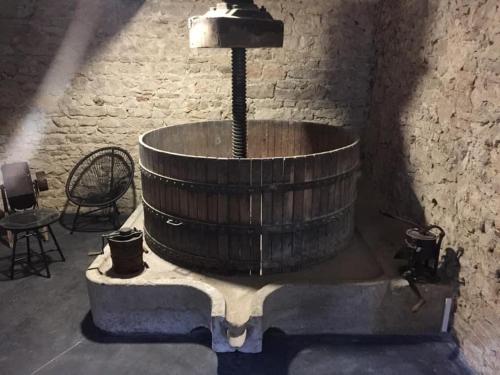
<point>46,328</point>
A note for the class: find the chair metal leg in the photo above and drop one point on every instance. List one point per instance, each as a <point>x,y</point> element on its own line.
<point>57,244</point>
<point>115,216</point>
<point>42,251</point>
<point>14,245</point>
<point>75,219</point>
<point>45,235</point>
<point>10,238</point>
<point>28,247</point>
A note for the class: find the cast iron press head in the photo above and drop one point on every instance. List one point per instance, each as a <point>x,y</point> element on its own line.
<point>237,25</point>
<point>421,250</point>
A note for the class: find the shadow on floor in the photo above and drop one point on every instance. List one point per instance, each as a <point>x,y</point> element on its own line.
<point>315,354</point>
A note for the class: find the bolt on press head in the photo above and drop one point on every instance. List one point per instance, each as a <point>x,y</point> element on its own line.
<point>235,24</point>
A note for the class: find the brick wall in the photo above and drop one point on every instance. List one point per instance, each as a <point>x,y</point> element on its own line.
<point>432,144</point>
<point>77,75</point>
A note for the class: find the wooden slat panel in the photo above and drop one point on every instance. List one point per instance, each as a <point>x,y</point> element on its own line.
<point>308,206</point>
<point>316,191</point>
<point>190,168</point>
<point>287,238</point>
<point>201,197</point>
<point>169,165</point>
<point>174,171</point>
<point>201,205</point>
<point>246,251</point>
<point>332,189</point>
<point>183,196</point>
<point>256,208</point>
<point>333,193</point>
<point>165,203</point>
<point>176,210</point>
<point>277,214</point>
<point>316,206</point>
<point>298,210</point>
<point>182,236</point>
<point>299,139</point>
<point>162,192</point>
<point>223,129</point>
<point>324,197</point>
<point>269,151</point>
<point>257,139</point>
<point>233,177</point>
<point>267,211</point>
<point>222,209</point>
<point>212,209</point>
<point>288,140</point>
<point>156,183</point>
<point>278,140</point>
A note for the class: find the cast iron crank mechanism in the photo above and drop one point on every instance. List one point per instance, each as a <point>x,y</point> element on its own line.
<point>421,250</point>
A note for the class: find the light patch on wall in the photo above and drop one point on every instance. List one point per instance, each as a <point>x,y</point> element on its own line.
<point>67,61</point>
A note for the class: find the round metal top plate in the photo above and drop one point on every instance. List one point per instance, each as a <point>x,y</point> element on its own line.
<point>31,219</point>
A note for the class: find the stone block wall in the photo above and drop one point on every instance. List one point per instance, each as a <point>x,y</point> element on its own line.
<point>431,149</point>
<point>77,75</point>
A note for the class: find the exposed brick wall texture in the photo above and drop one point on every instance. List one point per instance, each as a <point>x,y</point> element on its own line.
<point>78,75</point>
<point>421,77</point>
<point>432,144</point>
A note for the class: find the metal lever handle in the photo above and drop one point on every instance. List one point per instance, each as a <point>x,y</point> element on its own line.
<point>174,223</point>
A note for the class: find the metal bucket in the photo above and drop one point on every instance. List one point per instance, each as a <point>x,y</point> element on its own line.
<point>126,251</point>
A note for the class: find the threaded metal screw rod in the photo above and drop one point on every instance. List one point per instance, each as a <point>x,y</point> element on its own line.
<point>239,130</point>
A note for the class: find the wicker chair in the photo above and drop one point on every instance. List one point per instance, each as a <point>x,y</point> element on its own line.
<point>99,180</point>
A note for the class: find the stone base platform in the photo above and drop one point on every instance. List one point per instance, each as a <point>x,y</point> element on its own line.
<point>358,292</point>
